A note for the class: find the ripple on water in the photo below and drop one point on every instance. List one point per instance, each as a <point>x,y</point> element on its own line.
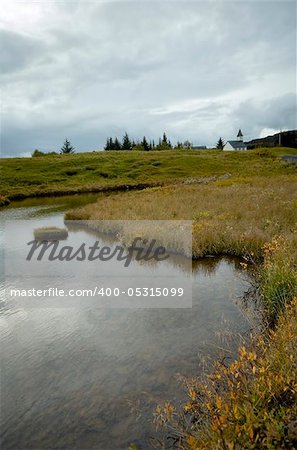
<point>74,379</point>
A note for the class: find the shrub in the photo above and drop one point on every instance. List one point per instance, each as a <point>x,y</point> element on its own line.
<point>37,153</point>
<point>249,404</point>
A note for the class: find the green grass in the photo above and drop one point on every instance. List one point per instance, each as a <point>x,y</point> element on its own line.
<point>87,172</point>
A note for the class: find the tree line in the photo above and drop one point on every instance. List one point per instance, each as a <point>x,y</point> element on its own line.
<point>128,144</point>
<point>144,145</point>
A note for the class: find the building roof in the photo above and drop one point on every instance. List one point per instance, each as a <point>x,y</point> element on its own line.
<point>237,144</point>
<point>239,133</point>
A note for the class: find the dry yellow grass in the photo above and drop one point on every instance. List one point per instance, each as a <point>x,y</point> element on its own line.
<point>234,216</point>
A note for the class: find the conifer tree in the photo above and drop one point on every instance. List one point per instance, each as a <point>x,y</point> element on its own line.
<point>117,145</point>
<point>126,145</point>
<point>109,144</point>
<point>67,147</point>
<point>145,144</point>
<point>220,144</point>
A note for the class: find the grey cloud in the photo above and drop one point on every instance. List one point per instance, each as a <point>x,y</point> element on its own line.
<point>97,69</point>
<point>17,51</point>
<point>276,113</point>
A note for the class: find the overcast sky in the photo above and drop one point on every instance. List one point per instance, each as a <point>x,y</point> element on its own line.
<point>197,70</point>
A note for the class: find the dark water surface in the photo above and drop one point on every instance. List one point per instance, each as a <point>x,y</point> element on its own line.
<point>90,379</point>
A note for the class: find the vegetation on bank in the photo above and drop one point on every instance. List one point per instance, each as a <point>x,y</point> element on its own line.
<point>233,215</point>
<point>278,275</point>
<point>247,404</point>
<point>4,201</point>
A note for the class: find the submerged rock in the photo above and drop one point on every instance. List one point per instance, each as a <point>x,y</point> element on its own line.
<point>50,233</point>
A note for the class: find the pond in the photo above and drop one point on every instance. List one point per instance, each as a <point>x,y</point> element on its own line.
<point>90,379</point>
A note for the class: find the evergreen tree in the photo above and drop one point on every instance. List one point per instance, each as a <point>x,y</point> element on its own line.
<point>220,144</point>
<point>67,147</point>
<point>145,144</point>
<point>117,145</point>
<point>126,142</point>
<point>109,144</point>
<point>164,143</point>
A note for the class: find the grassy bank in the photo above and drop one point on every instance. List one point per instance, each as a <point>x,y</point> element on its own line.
<point>99,171</point>
<point>234,216</point>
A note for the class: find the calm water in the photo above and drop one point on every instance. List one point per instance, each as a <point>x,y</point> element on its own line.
<point>90,379</point>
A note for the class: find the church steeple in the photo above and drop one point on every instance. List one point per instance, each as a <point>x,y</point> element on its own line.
<point>240,135</point>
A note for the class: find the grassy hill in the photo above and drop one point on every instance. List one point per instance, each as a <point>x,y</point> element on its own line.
<point>99,171</point>
<point>287,138</point>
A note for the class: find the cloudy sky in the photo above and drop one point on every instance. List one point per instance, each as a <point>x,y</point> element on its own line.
<point>198,70</point>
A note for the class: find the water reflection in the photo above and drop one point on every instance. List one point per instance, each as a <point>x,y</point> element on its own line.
<point>60,203</point>
<point>89,379</point>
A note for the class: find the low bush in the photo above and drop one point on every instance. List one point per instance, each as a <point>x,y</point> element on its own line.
<point>248,404</point>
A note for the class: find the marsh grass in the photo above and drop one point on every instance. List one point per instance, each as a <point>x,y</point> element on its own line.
<point>278,276</point>
<point>236,219</point>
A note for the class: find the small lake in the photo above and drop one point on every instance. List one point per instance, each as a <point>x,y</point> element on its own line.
<point>90,379</point>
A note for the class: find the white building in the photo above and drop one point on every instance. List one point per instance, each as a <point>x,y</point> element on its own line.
<point>236,145</point>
